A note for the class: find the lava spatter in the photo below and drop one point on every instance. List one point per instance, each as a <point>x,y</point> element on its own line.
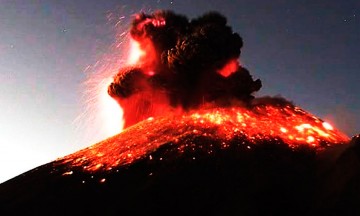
<point>225,126</point>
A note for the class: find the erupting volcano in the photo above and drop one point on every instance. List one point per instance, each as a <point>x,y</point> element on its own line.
<point>197,141</point>
<point>178,66</point>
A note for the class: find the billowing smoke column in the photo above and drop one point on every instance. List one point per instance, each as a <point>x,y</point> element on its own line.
<point>184,64</point>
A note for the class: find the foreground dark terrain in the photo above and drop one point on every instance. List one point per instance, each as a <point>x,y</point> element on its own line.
<point>201,163</point>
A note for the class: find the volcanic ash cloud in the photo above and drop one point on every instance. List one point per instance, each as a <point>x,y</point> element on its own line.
<point>184,64</point>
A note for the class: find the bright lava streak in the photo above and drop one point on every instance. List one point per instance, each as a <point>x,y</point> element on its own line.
<point>327,126</point>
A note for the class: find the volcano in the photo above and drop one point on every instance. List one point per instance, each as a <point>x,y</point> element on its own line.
<point>210,161</point>
<point>196,140</point>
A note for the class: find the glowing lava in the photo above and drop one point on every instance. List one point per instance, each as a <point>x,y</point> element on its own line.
<point>231,67</point>
<point>224,127</point>
<point>135,52</point>
<point>110,112</point>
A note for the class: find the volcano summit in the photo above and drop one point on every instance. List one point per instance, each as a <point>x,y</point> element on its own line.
<point>217,161</point>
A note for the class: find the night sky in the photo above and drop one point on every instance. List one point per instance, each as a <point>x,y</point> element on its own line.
<point>306,51</point>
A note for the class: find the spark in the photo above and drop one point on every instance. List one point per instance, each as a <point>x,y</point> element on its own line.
<point>101,116</point>
<point>284,130</point>
<point>68,173</point>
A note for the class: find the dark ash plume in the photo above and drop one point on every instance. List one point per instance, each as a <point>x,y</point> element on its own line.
<point>192,61</point>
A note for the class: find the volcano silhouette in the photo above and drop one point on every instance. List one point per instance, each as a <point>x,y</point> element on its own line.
<point>201,163</point>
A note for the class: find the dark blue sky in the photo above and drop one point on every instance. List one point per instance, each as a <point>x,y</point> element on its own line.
<point>306,51</point>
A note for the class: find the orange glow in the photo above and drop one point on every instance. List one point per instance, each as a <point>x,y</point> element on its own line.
<point>230,68</point>
<point>110,110</point>
<point>142,53</point>
<point>135,52</point>
<point>327,126</point>
<point>292,125</point>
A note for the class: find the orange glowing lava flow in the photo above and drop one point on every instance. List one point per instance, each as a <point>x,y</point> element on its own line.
<point>288,124</point>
